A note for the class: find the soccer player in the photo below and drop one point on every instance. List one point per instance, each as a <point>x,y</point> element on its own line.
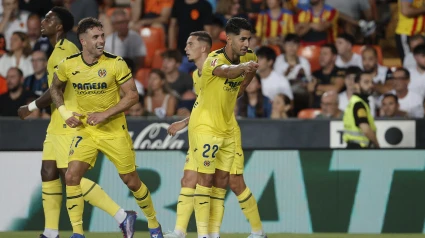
<point>197,49</point>
<point>97,78</point>
<point>56,24</point>
<point>211,128</point>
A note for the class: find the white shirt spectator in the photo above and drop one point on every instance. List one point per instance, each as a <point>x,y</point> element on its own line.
<point>281,66</point>
<point>409,60</point>
<point>19,24</point>
<point>343,103</point>
<point>275,84</point>
<point>381,75</point>
<point>417,81</point>
<point>411,103</point>
<point>6,62</point>
<point>356,60</point>
<point>132,46</point>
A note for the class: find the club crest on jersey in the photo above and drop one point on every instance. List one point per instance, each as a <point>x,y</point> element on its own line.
<point>207,163</point>
<point>214,62</point>
<point>71,152</point>
<point>101,73</point>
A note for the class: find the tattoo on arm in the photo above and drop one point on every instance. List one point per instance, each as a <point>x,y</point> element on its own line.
<point>56,91</point>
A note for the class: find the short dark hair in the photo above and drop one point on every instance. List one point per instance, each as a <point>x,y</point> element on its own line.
<point>88,23</point>
<point>390,95</point>
<point>216,21</point>
<point>172,54</point>
<point>404,70</point>
<point>372,49</point>
<point>266,52</point>
<point>416,37</point>
<point>353,70</point>
<point>65,16</point>
<point>331,47</point>
<point>202,36</point>
<point>419,50</point>
<point>21,74</point>
<point>359,76</point>
<point>348,37</point>
<point>236,24</point>
<point>292,38</point>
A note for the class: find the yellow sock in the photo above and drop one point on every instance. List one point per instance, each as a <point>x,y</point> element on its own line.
<point>52,201</point>
<point>250,210</point>
<point>95,195</point>
<point>75,207</point>
<point>201,201</point>
<point>184,209</point>
<point>216,210</point>
<point>144,200</point>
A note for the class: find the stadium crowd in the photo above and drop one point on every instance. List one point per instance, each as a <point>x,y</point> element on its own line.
<point>309,53</point>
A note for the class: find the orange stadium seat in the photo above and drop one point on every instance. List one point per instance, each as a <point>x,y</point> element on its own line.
<point>311,53</point>
<point>157,59</point>
<point>142,76</point>
<point>276,49</point>
<point>309,113</point>
<point>359,48</point>
<point>154,39</point>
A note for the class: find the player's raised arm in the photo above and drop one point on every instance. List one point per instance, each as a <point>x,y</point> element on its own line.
<point>56,92</point>
<point>234,71</point>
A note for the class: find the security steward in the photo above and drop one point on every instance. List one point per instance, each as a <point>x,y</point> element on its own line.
<point>359,126</point>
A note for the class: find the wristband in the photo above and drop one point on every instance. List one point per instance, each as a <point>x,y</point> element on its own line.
<point>32,106</point>
<point>65,113</point>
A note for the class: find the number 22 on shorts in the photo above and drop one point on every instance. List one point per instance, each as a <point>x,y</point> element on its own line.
<point>207,148</point>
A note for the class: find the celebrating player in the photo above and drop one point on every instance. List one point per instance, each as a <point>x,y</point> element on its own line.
<point>97,77</point>
<point>197,48</point>
<point>56,24</point>
<point>211,128</point>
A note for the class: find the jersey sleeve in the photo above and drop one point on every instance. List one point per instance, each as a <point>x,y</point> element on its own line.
<point>302,17</point>
<point>122,72</point>
<point>211,64</point>
<point>60,71</point>
<point>360,114</point>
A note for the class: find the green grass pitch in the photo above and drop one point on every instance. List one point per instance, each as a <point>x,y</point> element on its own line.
<point>32,234</point>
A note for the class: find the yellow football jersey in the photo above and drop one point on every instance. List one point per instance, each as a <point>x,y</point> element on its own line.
<point>63,49</point>
<point>196,85</point>
<point>213,111</point>
<point>410,25</point>
<point>97,89</point>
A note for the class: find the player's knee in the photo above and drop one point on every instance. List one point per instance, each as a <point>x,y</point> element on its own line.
<point>221,179</point>
<point>237,184</point>
<point>72,178</point>
<point>205,180</point>
<point>48,173</point>
<point>189,181</point>
<point>132,180</point>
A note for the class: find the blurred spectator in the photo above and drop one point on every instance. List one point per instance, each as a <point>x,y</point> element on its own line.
<point>138,110</point>
<point>354,9</point>
<point>417,73</point>
<point>34,28</point>
<point>391,108</point>
<point>131,66</point>
<point>180,82</point>
<point>281,107</point>
<point>217,28</point>
<point>80,9</point>
<point>155,13</point>
<point>328,78</point>
<point>350,78</point>
<point>228,9</point>
<point>39,7</point>
<point>185,105</point>
<point>186,17</point>
<point>125,42</point>
<point>411,14</point>
<point>16,96</point>
<point>409,101</point>
<point>12,20</point>
<point>329,106</point>
<point>317,24</point>
<point>104,7</point>
<point>272,83</point>
<point>159,99</point>
<point>37,82</point>
<point>19,55</point>
<point>346,57</point>
<point>381,75</point>
<point>275,23</point>
<point>2,45</point>
<point>409,59</point>
<point>254,43</point>
<point>253,104</point>
<point>289,64</point>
